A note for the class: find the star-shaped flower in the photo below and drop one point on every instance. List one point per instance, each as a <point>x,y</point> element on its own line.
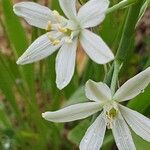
<point>113,116</point>
<point>64,34</point>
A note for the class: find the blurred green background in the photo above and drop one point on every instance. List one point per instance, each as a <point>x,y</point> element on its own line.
<point>27,91</point>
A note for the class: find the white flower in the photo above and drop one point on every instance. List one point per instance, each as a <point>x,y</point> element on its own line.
<point>64,34</point>
<point>113,116</point>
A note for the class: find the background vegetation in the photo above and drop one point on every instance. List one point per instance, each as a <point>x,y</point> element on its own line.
<point>27,91</point>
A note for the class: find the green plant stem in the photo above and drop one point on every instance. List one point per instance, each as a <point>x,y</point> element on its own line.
<point>112,76</point>
<point>127,32</point>
<point>108,76</point>
<point>122,51</point>
<point>120,5</point>
<point>126,37</point>
<point>147,63</point>
<point>115,77</point>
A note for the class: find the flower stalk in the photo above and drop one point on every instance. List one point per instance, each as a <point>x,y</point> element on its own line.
<point>121,5</point>
<point>129,26</point>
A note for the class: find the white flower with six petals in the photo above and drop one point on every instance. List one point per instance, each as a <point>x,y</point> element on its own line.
<point>113,116</point>
<point>64,34</point>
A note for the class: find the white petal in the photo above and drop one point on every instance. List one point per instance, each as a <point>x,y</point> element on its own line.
<point>69,8</point>
<point>94,135</point>
<point>38,50</point>
<point>92,13</point>
<point>65,64</point>
<point>133,87</point>
<point>139,123</point>
<point>73,112</point>
<point>97,91</point>
<point>122,134</point>
<point>95,47</point>
<point>35,14</point>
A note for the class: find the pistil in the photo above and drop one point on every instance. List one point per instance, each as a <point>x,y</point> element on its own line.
<point>111,111</point>
<point>110,115</point>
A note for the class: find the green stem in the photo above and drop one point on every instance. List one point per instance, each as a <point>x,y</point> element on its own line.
<point>105,69</point>
<point>109,75</point>
<point>120,5</point>
<point>127,32</point>
<point>115,77</point>
<point>126,37</point>
<point>121,55</point>
<point>147,63</point>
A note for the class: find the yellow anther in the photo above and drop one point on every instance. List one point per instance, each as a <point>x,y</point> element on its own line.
<point>57,15</point>
<point>63,30</point>
<point>55,42</point>
<point>49,26</point>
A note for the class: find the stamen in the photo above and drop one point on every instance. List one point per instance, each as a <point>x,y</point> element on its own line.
<point>55,42</point>
<point>49,26</point>
<point>55,12</point>
<point>61,29</point>
<point>57,16</point>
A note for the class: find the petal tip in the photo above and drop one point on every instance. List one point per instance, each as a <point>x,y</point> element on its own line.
<point>16,7</point>
<point>20,61</point>
<point>44,115</point>
<point>60,86</point>
<point>89,81</point>
<point>110,58</point>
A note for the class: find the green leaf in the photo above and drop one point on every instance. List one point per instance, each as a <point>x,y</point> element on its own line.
<point>6,87</point>
<point>143,9</point>
<point>14,29</point>
<point>55,6</point>
<point>108,141</point>
<point>76,134</point>
<point>4,119</point>
<point>17,38</point>
<point>95,73</point>
<point>141,102</point>
<point>77,97</point>
<point>140,143</point>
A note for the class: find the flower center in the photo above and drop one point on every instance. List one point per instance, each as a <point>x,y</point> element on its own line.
<point>62,26</point>
<point>111,111</point>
